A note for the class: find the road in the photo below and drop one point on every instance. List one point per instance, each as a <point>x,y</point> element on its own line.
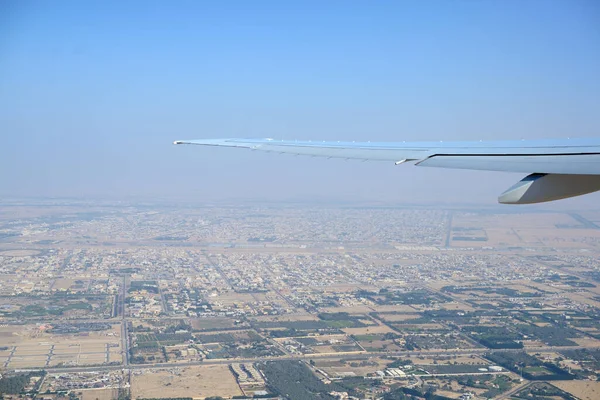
<point>514,390</point>
<point>124,333</point>
<point>345,356</point>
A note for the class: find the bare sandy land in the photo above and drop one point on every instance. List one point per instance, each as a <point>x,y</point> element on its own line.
<point>589,342</point>
<point>368,330</point>
<point>378,345</point>
<point>399,308</point>
<point>456,306</point>
<point>63,283</point>
<point>445,393</point>
<point>197,381</point>
<point>333,368</point>
<point>28,363</point>
<point>116,357</point>
<point>99,394</point>
<point>585,390</point>
<point>565,238</point>
<point>25,351</point>
<point>421,326</point>
<point>398,317</point>
<point>19,253</point>
<point>502,237</point>
<point>533,343</point>
<point>546,220</point>
<point>229,299</point>
<point>28,358</point>
<point>33,345</point>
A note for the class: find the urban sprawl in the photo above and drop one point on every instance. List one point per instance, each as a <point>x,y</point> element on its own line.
<point>116,300</point>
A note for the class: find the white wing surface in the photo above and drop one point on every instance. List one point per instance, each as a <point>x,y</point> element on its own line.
<point>561,158</point>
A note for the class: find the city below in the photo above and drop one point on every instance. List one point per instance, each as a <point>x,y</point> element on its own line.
<point>122,300</point>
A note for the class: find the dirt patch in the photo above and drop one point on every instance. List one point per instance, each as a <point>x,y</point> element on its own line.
<point>63,284</point>
<point>586,342</point>
<point>585,390</point>
<point>33,346</point>
<point>200,381</point>
<point>370,330</point>
<point>398,317</point>
<point>99,394</point>
<point>20,253</point>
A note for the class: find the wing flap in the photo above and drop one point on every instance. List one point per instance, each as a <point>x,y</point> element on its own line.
<point>588,164</point>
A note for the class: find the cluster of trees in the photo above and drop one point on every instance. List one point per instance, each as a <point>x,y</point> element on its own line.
<point>498,342</point>
<point>520,362</point>
<point>216,338</point>
<point>149,286</point>
<point>175,238</point>
<point>341,320</point>
<point>501,384</point>
<point>294,380</point>
<point>285,333</point>
<point>491,290</point>
<point>543,391</point>
<point>296,325</point>
<point>399,363</point>
<point>16,384</point>
<point>552,335</point>
<point>589,359</point>
<point>495,337</point>
<point>408,393</point>
<point>181,325</point>
<point>420,296</point>
<point>123,394</point>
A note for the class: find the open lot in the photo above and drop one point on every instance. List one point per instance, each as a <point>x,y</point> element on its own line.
<point>36,347</point>
<point>369,330</point>
<point>99,394</point>
<point>585,390</point>
<point>19,253</point>
<point>201,381</point>
<point>360,367</point>
<point>392,317</point>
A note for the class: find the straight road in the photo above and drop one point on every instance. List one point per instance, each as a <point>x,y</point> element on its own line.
<point>296,358</point>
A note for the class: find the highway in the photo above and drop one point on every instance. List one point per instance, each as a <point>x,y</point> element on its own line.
<point>329,356</point>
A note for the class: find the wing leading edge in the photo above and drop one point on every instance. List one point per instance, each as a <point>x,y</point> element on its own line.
<point>539,157</point>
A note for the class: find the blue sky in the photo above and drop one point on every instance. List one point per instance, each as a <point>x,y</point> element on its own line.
<point>93,93</point>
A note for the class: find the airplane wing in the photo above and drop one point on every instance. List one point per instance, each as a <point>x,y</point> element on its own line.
<point>558,168</point>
